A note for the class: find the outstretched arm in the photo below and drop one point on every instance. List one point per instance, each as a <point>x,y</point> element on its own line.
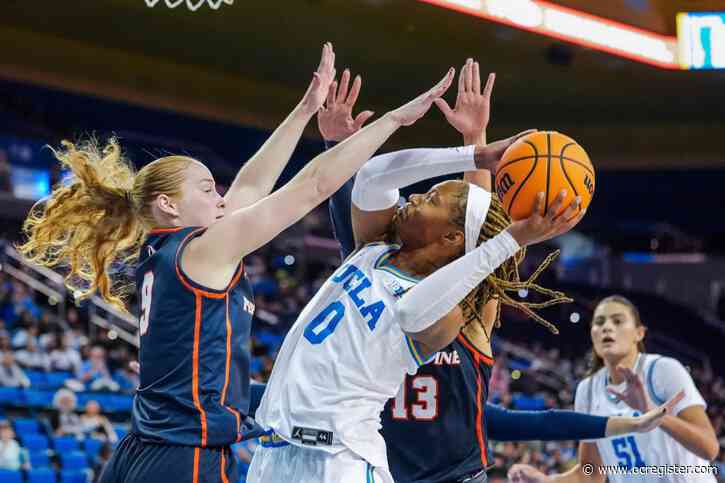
<point>225,242</point>
<point>257,177</point>
<point>336,124</point>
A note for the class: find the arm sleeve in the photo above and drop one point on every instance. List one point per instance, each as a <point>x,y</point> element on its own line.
<point>553,425</point>
<point>440,292</point>
<point>339,206</point>
<point>377,182</point>
<point>665,377</point>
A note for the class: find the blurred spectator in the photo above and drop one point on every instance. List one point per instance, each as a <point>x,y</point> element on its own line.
<point>9,448</point>
<point>62,357</point>
<point>11,375</point>
<point>27,330</point>
<point>5,179</point>
<point>96,425</point>
<point>3,330</point>
<point>127,379</point>
<point>64,420</point>
<point>32,356</point>
<point>94,372</point>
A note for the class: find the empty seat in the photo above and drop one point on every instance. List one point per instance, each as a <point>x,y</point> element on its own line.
<point>39,459</point>
<point>34,441</point>
<point>26,426</point>
<point>41,475</point>
<point>10,396</point>
<point>74,460</point>
<point>37,378</point>
<point>93,447</point>
<point>73,476</point>
<point>56,380</point>
<point>38,399</point>
<point>11,476</point>
<point>65,444</point>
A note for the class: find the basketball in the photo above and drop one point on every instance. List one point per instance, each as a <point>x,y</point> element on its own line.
<point>548,162</point>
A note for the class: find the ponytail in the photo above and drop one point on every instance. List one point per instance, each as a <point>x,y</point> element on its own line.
<point>89,222</point>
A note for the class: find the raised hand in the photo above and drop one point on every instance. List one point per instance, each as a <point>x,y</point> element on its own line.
<point>415,109</point>
<point>486,157</point>
<point>537,227</point>
<point>472,111</point>
<point>634,394</point>
<point>320,84</point>
<point>653,418</point>
<point>335,119</point>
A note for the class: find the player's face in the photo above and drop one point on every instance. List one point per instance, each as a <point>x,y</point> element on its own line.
<point>426,218</point>
<point>614,331</point>
<point>200,204</point>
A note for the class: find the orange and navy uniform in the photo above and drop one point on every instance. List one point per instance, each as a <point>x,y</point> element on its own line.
<point>194,352</point>
<point>193,397</point>
<point>447,396</point>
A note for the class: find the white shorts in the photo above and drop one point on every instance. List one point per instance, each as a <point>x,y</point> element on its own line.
<point>295,464</point>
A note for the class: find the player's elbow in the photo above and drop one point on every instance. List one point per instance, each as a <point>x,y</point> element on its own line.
<point>711,448</point>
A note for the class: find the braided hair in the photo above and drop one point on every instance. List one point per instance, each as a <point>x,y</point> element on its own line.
<point>505,278</point>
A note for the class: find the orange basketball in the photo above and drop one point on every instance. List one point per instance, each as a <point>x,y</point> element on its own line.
<point>544,161</point>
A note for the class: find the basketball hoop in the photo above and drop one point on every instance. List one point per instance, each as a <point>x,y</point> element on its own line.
<point>192,5</point>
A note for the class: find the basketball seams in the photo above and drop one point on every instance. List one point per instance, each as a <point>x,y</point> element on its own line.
<point>509,163</point>
<point>563,168</point>
<point>576,161</point>
<point>523,183</point>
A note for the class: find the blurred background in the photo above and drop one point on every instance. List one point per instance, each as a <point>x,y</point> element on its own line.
<point>636,82</point>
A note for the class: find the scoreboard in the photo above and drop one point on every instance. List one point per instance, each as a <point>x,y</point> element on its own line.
<point>701,40</point>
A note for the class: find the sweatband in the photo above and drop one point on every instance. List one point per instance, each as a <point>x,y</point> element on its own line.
<point>479,200</point>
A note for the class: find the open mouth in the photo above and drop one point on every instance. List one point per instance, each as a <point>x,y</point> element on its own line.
<point>607,340</point>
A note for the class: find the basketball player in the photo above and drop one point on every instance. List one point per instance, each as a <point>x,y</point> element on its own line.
<point>625,380</point>
<point>446,399</point>
<point>196,305</point>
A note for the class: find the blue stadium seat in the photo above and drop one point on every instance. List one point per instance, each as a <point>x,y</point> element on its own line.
<point>26,426</point>
<point>37,378</point>
<point>74,460</point>
<point>10,396</point>
<point>34,441</point>
<point>93,447</point>
<point>39,459</point>
<point>11,476</point>
<point>72,476</point>
<point>64,444</point>
<point>38,399</point>
<point>41,475</point>
<point>119,403</point>
<point>56,380</point>
<point>121,431</point>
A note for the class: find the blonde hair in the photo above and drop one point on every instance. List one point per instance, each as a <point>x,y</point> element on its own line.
<point>101,216</point>
<point>506,277</point>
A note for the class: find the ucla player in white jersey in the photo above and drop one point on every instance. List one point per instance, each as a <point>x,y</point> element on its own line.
<point>625,380</point>
<point>352,345</point>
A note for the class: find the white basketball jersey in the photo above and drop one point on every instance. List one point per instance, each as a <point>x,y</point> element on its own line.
<point>662,377</point>
<point>344,357</point>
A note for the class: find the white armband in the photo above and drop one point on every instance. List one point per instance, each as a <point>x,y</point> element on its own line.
<point>377,182</point>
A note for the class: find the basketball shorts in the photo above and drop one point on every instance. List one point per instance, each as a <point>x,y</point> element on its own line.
<point>290,463</point>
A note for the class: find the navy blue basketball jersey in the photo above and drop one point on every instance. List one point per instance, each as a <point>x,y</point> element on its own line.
<point>435,427</point>
<point>194,352</point>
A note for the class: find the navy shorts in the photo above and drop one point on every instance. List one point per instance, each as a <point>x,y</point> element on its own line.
<point>134,461</point>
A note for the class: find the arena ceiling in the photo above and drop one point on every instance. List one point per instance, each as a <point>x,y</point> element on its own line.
<point>249,62</point>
